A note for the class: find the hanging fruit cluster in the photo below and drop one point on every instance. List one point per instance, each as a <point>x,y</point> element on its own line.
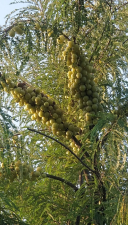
<point>81,80</point>
<point>42,108</point>
<point>20,170</point>
<point>17,29</point>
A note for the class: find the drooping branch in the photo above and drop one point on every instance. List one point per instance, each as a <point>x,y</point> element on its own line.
<point>66,147</point>
<point>62,180</point>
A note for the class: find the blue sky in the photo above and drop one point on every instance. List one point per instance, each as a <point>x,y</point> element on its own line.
<point>5,8</point>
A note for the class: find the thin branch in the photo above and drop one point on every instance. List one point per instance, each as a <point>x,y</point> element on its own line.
<point>108,5</point>
<point>125,41</point>
<point>62,180</point>
<point>120,6</point>
<point>38,132</point>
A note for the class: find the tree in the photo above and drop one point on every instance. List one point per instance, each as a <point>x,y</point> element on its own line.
<point>66,63</point>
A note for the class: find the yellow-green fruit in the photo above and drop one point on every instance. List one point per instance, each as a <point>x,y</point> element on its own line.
<point>70,44</point>
<point>17,169</point>
<point>37,173</point>
<point>18,30</point>
<point>62,38</point>
<point>39,169</point>
<point>82,87</point>
<point>21,25</point>
<point>69,134</point>
<point>11,33</point>
<point>17,163</point>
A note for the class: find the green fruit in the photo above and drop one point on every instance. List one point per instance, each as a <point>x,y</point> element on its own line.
<point>94,88</point>
<point>79,69</point>
<point>50,101</point>
<point>58,120</point>
<point>82,87</point>
<point>52,121</point>
<point>95,100</point>
<point>88,108</point>
<point>55,115</point>
<point>18,30</point>
<point>59,133</point>
<point>89,87</point>
<point>100,107</point>
<point>12,33</point>
<point>39,169</point>
<point>37,90</point>
<point>61,126</point>
<point>83,80</point>
<point>29,90</point>
<point>55,126</point>
<point>59,111</point>
<point>95,95</point>
<point>84,72</point>
<point>69,134</point>
<point>46,104</point>
<point>94,106</point>
<point>79,75</point>
<point>89,92</point>
<point>37,173</point>
<point>85,98</point>
<point>38,100</point>
<point>46,114</point>
<point>27,96</point>
<point>89,103</point>
<point>71,128</point>
<point>21,25</point>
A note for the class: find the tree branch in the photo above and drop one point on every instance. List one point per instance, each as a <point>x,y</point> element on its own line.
<point>38,132</point>
<point>120,6</point>
<point>62,180</point>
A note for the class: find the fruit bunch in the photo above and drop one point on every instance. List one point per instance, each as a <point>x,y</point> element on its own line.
<point>81,80</point>
<point>42,108</point>
<point>20,170</point>
<point>16,29</point>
